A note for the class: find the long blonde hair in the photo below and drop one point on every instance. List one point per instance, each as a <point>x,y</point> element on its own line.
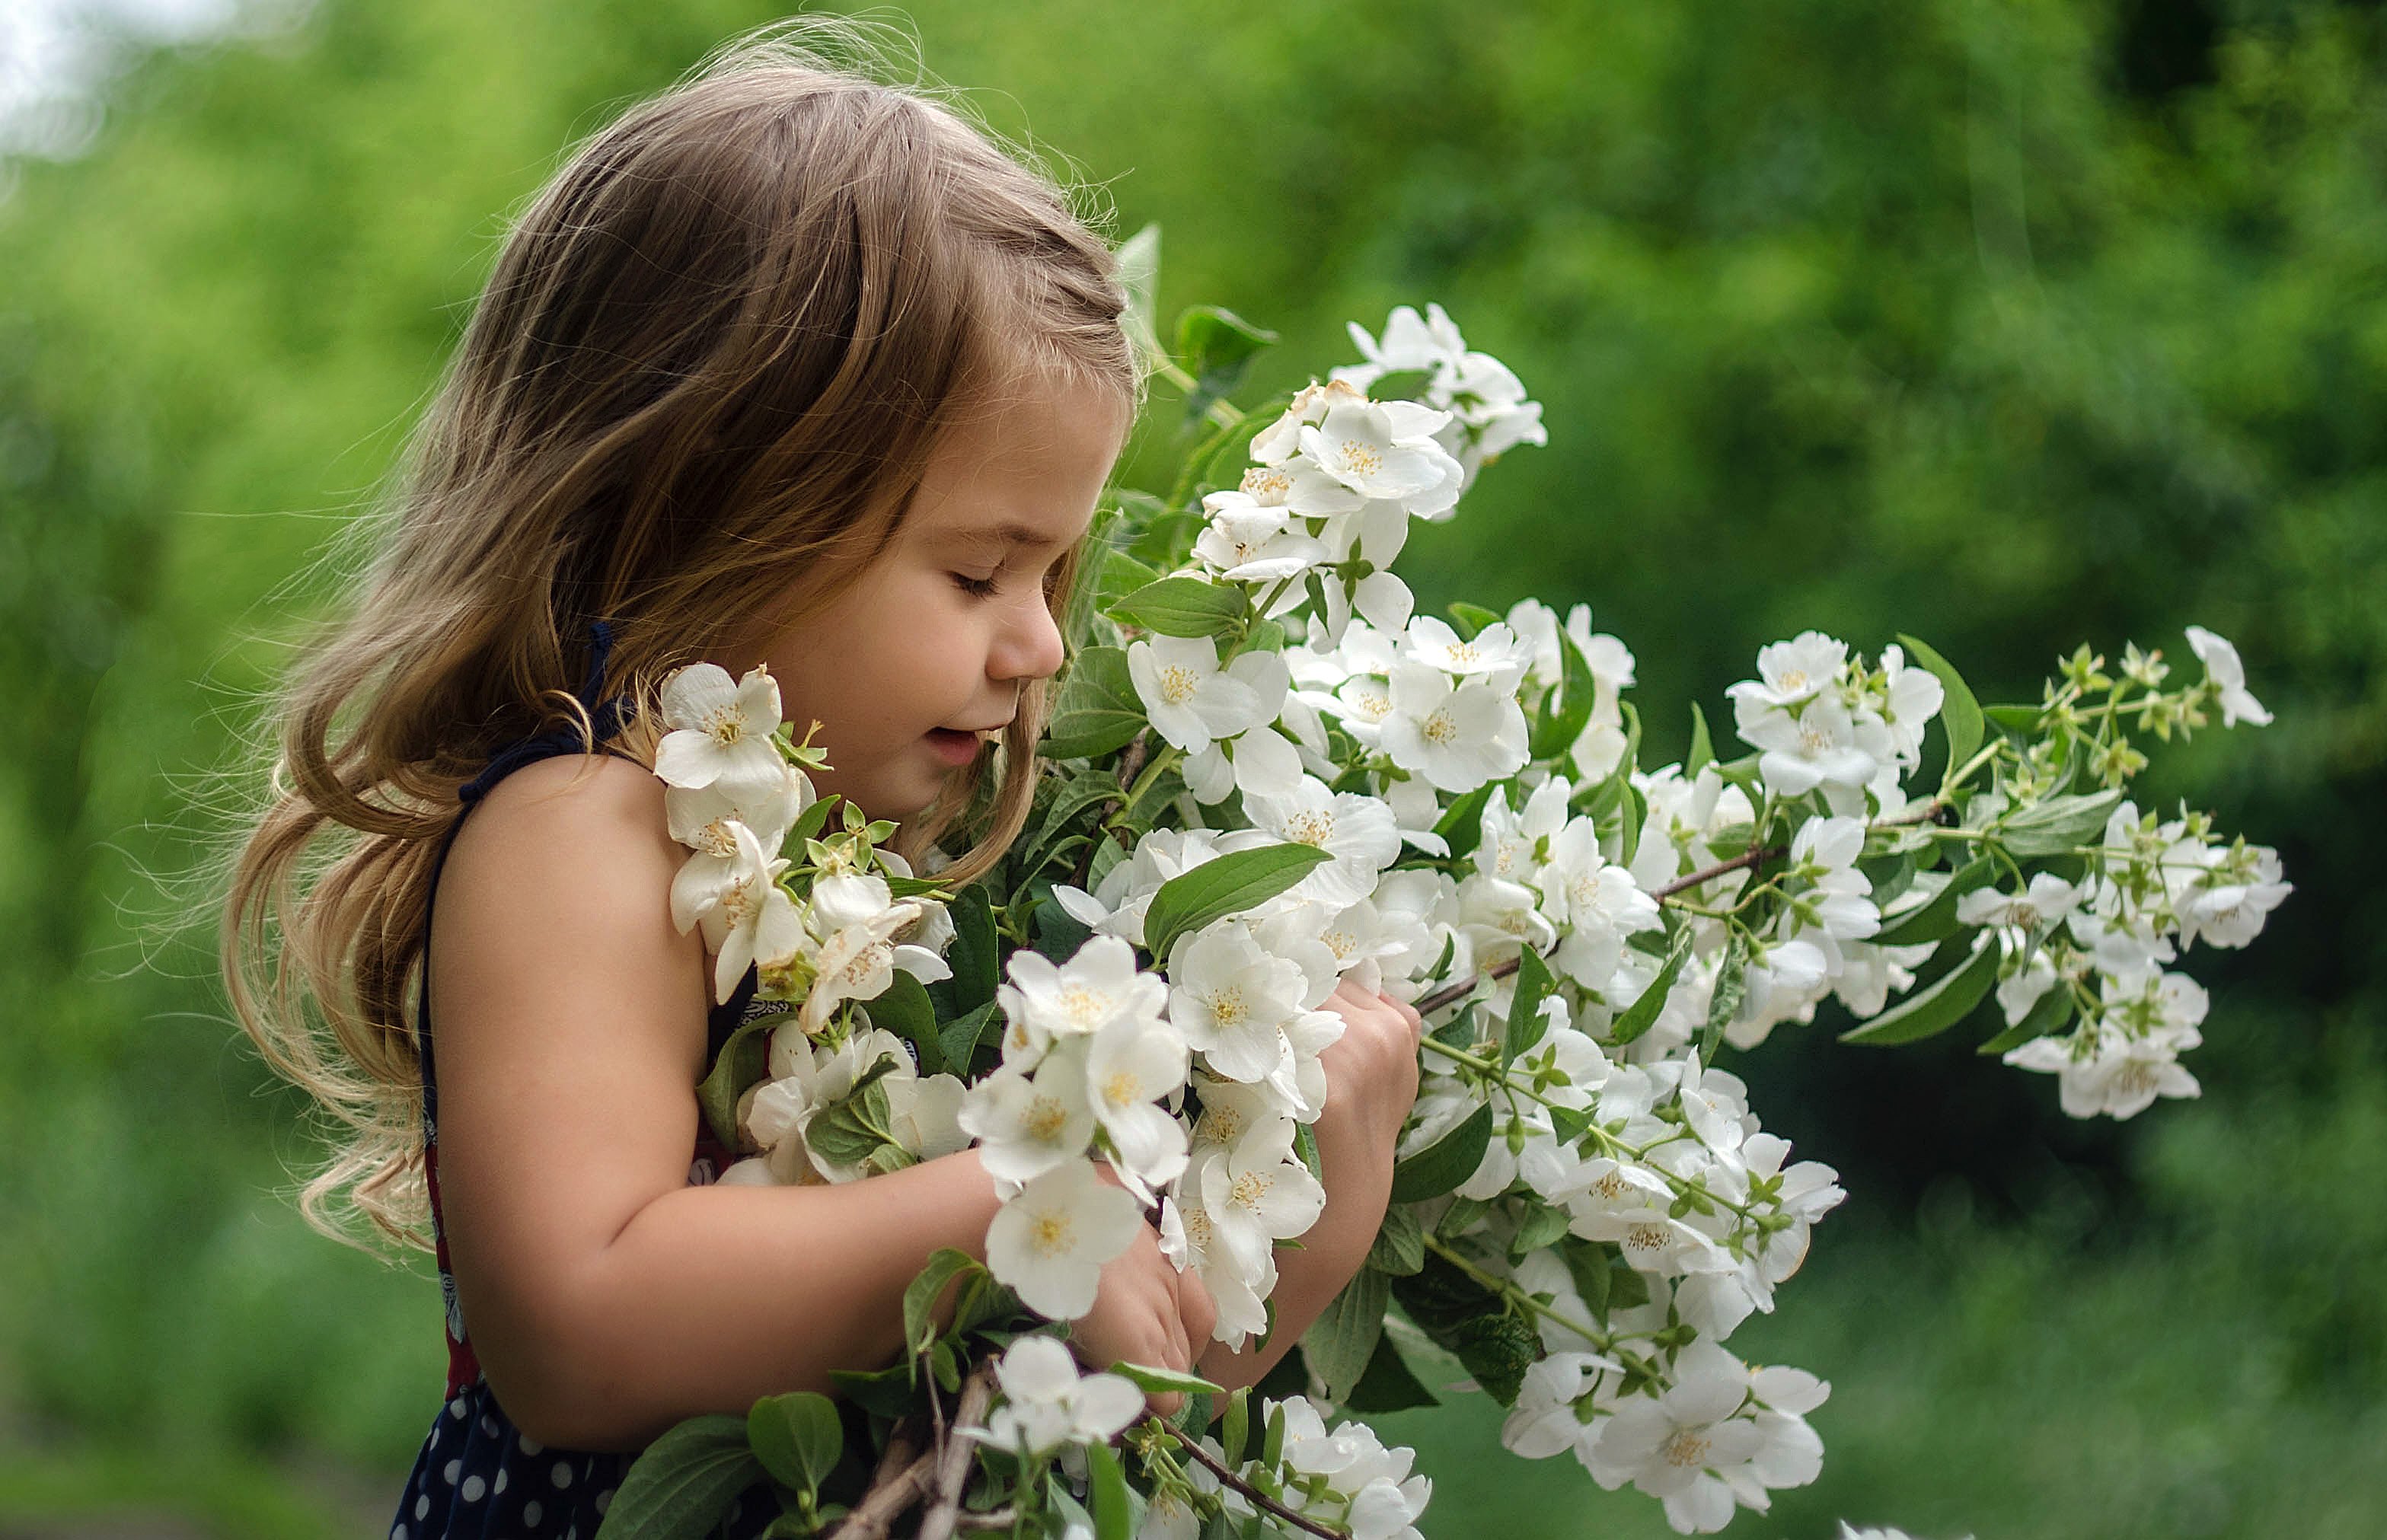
<point>705,375</point>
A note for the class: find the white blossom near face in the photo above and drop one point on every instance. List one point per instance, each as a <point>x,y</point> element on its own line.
<point>737,899</point>
<point>699,817</point>
<point>2227,674</point>
<point>1049,1241</point>
<point>1357,831</point>
<point>720,731</point>
<point>1386,450</point>
<point>1191,702</point>
<point>857,963</point>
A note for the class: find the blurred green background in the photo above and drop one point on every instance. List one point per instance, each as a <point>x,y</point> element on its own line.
<point>2012,324</point>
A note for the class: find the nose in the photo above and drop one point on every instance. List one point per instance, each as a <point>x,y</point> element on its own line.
<point>1029,645</point>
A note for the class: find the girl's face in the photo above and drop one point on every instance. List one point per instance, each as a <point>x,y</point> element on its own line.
<point>922,659</point>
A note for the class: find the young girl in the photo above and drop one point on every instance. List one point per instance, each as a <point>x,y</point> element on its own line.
<point>790,368</point>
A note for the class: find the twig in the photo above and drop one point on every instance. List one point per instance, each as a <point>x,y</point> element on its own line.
<point>888,1498</point>
<point>1450,994</point>
<point>1130,762</point>
<point>994,1518</point>
<point>1260,1498</point>
<point>953,1459</point>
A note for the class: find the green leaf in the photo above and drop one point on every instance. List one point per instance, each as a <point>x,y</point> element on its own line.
<point>810,822</point>
<point>1702,754</point>
<point>1106,1490</point>
<point>903,1009</point>
<point>1399,385</point>
<point>959,1039</point>
<point>2053,827</point>
<point>1182,607</point>
<point>1122,574</point>
<point>2051,1012</point>
<point>681,1485</point>
<point>1166,1382</point>
<point>1272,1436</point>
<point>1389,1385</point>
<point>1339,1344</point>
<point>1527,1023</point>
<point>1591,1266</point>
<point>1732,983</point>
<point>975,954</point>
<point>742,1062</point>
<point>1643,1012</point>
<point>884,1392</point>
<point>1938,1006</point>
<point>1447,1162</point>
<point>1936,920</point>
<point>920,1295</point>
<point>1459,1216</point>
<point>1541,1226</point>
<point>1400,1243</point>
<point>1462,824</point>
<point>1217,348</point>
<point>797,1436</point>
<point>1096,786</point>
<point>1558,726</point>
<point>1098,709</point>
<point>1497,1349</point>
<point>1236,1428</point>
<point>846,1131</point>
<point>1960,715</point>
<point>1471,618</point>
<point>1228,885</point>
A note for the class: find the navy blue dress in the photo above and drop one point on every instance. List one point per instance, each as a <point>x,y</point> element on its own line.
<point>477,1474</point>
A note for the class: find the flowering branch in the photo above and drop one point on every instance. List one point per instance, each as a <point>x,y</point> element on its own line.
<point>1259,1498</point>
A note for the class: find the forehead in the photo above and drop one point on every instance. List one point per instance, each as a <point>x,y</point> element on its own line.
<point>1027,472</point>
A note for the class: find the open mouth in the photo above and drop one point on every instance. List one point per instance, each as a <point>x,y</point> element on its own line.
<point>953,746</point>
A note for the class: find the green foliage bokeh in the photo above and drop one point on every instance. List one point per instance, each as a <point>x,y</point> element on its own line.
<point>2009,325</point>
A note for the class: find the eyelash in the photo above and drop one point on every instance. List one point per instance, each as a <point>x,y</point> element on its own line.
<point>986,588</point>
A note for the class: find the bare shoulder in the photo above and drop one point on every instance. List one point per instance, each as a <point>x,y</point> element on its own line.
<point>557,893</point>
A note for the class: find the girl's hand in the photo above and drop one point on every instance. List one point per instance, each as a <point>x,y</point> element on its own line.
<point>1145,1312</point>
<point>1371,1070</point>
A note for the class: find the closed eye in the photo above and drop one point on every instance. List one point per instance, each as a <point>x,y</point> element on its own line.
<point>976,588</point>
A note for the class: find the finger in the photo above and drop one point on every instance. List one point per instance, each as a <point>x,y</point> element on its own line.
<point>1408,1013</point>
<point>1198,1311</point>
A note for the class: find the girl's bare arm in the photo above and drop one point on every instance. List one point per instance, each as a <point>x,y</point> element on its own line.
<point>606,1298</point>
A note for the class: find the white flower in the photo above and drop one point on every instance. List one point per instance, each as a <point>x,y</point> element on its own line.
<point>1028,1125</point>
<point>1232,1000</point>
<point>1187,1239</point>
<point>699,817</point>
<point>1821,744</point>
<point>2228,676</point>
<point>1128,1069</point>
<point>1386,450</point>
<point>858,963</point>
<point>1458,737</point>
<point>1257,1195</point>
<point>1356,830</point>
<point>1191,702</point>
<point>1099,985</point>
<point>720,731</point>
<point>1248,542</point>
<point>1492,650</point>
<point>2100,1070</point>
<point>1908,699</point>
<point>1050,1241</point>
<point>1048,1403</point>
<point>2046,903</point>
<point>737,899</point>
<point>1791,672</point>
<point>1831,897</point>
<point>1681,1446</point>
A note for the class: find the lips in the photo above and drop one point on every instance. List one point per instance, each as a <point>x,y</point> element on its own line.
<point>952,745</point>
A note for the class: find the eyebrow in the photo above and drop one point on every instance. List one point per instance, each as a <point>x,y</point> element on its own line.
<point>988,536</point>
